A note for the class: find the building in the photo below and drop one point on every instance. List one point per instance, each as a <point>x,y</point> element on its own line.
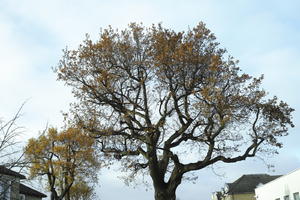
<point>243,188</point>
<point>12,189</point>
<point>286,187</point>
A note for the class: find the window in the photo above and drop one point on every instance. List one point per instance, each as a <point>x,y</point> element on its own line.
<point>287,197</point>
<point>22,196</point>
<point>296,196</point>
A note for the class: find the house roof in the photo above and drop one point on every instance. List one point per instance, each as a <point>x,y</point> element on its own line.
<point>6,171</point>
<point>288,174</point>
<point>30,192</point>
<point>248,183</point>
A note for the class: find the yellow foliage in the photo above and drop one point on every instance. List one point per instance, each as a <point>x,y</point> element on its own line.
<point>65,155</point>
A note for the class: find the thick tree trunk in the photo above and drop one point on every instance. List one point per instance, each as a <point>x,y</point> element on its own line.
<point>167,191</point>
<point>166,194</point>
<point>163,190</point>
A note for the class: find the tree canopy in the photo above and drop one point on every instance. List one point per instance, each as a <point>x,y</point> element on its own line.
<point>170,102</point>
<point>67,159</point>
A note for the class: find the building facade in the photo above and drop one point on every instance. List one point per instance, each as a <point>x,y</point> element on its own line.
<point>12,189</point>
<point>243,188</point>
<point>286,187</point>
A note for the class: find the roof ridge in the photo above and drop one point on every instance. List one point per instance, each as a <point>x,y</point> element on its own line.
<point>257,174</point>
<point>6,171</point>
<point>248,182</point>
<point>24,189</point>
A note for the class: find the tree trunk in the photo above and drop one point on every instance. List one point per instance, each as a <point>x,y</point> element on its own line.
<point>167,191</point>
<point>53,195</point>
<point>161,194</point>
<point>163,190</point>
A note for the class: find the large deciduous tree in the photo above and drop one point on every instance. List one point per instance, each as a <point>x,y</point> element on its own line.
<point>67,158</point>
<point>152,95</point>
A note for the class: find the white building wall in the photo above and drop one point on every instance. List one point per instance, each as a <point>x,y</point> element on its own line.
<point>283,186</point>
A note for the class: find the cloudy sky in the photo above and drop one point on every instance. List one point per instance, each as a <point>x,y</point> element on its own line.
<point>263,35</point>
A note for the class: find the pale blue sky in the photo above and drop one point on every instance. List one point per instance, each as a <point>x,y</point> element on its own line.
<point>263,35</point>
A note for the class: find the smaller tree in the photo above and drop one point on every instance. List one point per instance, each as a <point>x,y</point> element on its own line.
<point>10,150</point>
<point>65,158</point>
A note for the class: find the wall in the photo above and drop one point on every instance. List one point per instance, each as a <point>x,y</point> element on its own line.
<point>14,185</point>
<point>32,198</point>
<point>280,187</point>
<point>248,196</point>
<point>15,189</point>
